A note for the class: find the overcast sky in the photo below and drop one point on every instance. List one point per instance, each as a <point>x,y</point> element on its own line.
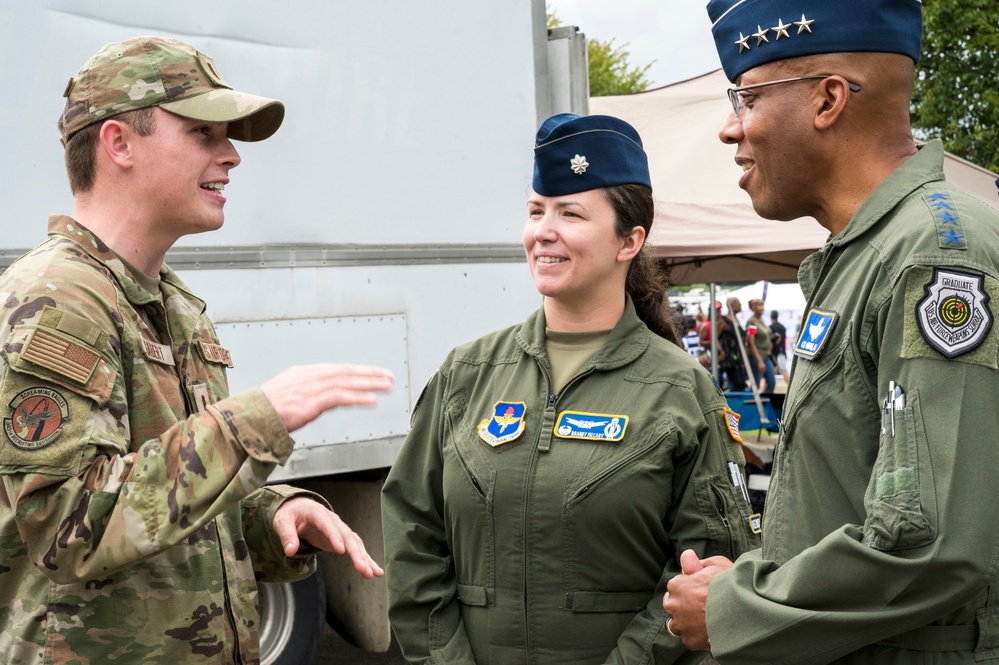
<point>676,34</point>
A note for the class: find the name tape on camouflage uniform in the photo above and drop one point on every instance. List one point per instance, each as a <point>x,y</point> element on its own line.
<point>36,418</point>
<point>505,425</point>
<point>590,426</point>
<point>214,353</point>
<point>158,353</point>
<point>954,316</point>
<point>815,333</point>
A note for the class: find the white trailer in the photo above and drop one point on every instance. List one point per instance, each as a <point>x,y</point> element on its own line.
<point>380,225</point>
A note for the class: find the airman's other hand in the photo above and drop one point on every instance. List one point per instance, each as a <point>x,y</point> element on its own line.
<point>303,393</point>
<point>301,517</point>
<point>687,595</point>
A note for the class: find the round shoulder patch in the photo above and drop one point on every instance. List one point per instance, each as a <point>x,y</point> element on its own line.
<point>36,418</point>
<point>954,314</point>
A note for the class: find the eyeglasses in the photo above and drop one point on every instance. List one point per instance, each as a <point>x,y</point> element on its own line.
<point>736,98</point>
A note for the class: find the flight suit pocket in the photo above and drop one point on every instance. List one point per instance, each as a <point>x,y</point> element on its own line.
<point>717,502</point>
<point>901,497</point>
<point>607,601</point>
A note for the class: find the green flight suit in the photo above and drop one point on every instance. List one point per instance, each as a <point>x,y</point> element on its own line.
<point>544,549</point>
<point>130,528</point>
<point>882,547</point>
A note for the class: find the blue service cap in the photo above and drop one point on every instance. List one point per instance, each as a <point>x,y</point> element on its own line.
<point>750,33</point>
<point>577,153</point>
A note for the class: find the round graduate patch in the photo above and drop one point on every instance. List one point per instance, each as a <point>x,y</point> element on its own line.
<point>954,314</point>
<point>36,418</point>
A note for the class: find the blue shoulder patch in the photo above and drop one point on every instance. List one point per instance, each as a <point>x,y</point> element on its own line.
<point>814,332</point>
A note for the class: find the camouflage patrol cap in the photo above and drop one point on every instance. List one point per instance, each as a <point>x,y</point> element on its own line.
<point>152,71</point>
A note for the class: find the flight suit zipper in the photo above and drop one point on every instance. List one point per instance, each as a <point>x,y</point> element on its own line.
<point>723,514</point>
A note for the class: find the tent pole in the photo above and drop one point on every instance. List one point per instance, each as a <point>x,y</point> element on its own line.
<point>713,319</point>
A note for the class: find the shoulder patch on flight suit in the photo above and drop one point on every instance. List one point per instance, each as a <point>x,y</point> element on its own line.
<point>36,418</point>
<point>505,425</point>
<point>590,426</point>
<point>950,316</point>
<point>814,333</point>
<point>732,424</point>
<point>950,231</point>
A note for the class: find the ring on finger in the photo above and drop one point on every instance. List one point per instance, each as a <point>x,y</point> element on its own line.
<point>669,627</point>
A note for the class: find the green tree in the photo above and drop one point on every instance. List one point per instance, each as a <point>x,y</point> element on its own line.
<point>610,72</point>
<point>956,96</point>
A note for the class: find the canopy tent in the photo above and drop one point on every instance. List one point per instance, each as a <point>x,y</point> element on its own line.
<point>705,227</point>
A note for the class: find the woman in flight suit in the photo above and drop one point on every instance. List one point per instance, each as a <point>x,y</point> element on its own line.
<point>555,469</point>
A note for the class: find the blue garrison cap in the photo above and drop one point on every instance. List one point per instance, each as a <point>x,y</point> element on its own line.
<point>577,153</point>
<point>749,33</point>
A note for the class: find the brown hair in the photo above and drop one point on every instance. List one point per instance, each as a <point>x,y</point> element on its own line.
<point>81,149</point>
<point>647,282</point>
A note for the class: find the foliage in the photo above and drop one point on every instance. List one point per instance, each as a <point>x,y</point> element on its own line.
<point>610,72</point>
<point>956,97</point>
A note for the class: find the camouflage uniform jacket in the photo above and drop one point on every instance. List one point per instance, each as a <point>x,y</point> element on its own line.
<point>128,502</point>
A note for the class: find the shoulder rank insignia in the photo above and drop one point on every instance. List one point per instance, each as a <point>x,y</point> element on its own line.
<point>814,333</point>
<point>732,423</point>
<point>953,315</point>
<point>505,425</point>
<point>36,418</point>
<point>590,426</point>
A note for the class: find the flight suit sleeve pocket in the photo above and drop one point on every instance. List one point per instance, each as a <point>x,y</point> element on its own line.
<point>607,601</point>
<point>476,596</point>
<point>719,507</point>
<point>901,497</point>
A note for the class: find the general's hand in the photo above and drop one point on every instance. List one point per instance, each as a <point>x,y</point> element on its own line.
<point>302,394</point>
<point>322,528</point>
<point>686,596</point>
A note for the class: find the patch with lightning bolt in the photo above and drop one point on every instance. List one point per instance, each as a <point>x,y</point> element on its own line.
<point>36,418</point>
<point>505,425</point>
<point>590,426</point>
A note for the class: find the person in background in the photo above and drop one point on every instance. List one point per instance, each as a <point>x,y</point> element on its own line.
<point>778,340</point>
<point>760,347</point>
<point>134,526</point>
<point>881,543</point>
<point>555,468</point>
<point>691,340</point>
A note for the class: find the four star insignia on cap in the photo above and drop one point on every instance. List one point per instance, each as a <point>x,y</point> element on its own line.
<point>761,35</point>
<point>781,29</point>
<point>579,164</point>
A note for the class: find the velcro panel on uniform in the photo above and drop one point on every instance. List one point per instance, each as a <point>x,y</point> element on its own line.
<point>944,323</point>
<point>79,327</point>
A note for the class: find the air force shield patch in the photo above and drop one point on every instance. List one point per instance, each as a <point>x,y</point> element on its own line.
<point>954,316</point>
<point>505,425</point>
